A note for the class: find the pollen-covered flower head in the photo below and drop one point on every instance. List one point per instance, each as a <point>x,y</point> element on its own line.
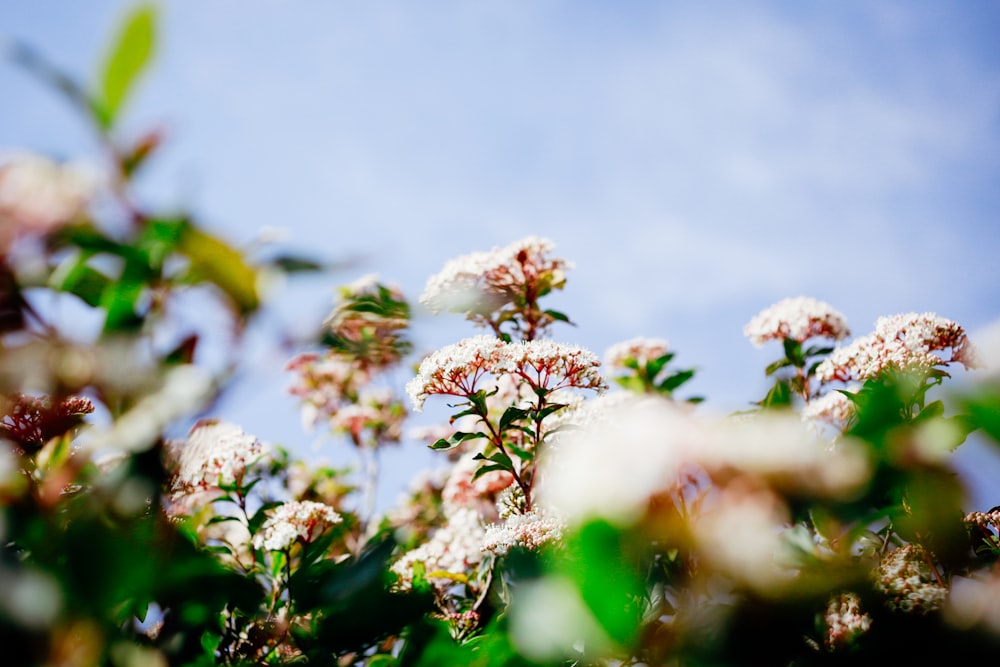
<point>799,319</point>
<point>905,342</point>
<point>215,453</point>
<point>297,520</point>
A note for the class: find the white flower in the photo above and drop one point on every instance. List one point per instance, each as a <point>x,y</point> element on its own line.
<point>454,550</point>
<point>640,349</point>
<point>527,531</point>
<point>301,519</point>
<point>215,453</point>
<point>38,195</point>
<point>907,579</point>
<point>904,342</point>
<point>797,319</point>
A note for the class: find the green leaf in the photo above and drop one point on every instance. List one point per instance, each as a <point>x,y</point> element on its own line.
<point>654,367</point>
<point>293,264</point>
<point>129,55</point>
<point>556,315</point>
<point>217,262</point>
<point>676,380</point>
<point>773,368</point>
<point>793,352</point>
<point>511,415</point>
<point>443,445</point>
<point>779,396</point>
<point>493,467</point>
<point>75,277</point>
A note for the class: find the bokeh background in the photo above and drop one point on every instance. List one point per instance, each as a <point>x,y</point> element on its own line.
<point>697,161</point>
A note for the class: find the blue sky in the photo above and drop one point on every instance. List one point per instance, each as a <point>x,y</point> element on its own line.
<point>697,161</point>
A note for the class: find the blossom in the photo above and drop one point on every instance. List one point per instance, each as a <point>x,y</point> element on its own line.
<point>833,408</point>
<point>798,319</point>
<point>455,369</point>
<point>215,453</point>
<point>299,519</point>
<point>641,350</point>
<point>449,554</point>
<point>485,281</point>
<point>526,531</point>
<point>38,195</point>
<point>462,491</point>
<point>904,342</point>
<point>549,365</point>
<point>845,621</point>
<point>323,383</point>
<point>376,409</point>
<point>907,579</point>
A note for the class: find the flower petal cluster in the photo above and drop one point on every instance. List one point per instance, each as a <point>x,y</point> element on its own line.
<point>323,382</point>
<point>799,319</point>
<point>454,549</point>
<point>485,281</point>
<point>845,621</point>
<point>215,453</point>
<point>456,370</point>
<point>529,531</point>
<point>833,409</point>
<point>906,579</point>
<point>38,195</point>
<point>640,349</point>
<point>462,491</point>
<point>375,408</point>
<point>905,342</point>
<point>301,519</point>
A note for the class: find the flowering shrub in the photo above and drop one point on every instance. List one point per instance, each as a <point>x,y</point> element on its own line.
<point>568,523</point>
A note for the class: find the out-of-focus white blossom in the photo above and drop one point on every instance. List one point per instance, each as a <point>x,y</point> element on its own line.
<point>297,520</point>
<point>780,449</point>
<point>905,342</point>
<point>322,383</point>
<point>741,537</point>
<point>611,469</point>
<point>799,319</point>
<point>974,602</point>
<point>38,195</point>
<point>215,453</point>
<point>831,409</point>
<point>905,576</point>
<point>642,350</point>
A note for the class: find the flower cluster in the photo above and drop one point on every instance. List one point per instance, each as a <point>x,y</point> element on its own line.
<point>297,520</point>
<point>448,555</point>
<point>529,531</point>
<point>798,319</point>
<point>833,408</point>
<point>909,582</point>
<point>375,408</point>
<point>38,195</point>
<point>904,342</point>
<point>369,322</point>
<point>456,370</point>
<point>500,285</point>
<point>472,281</point>
<point>639,350</point>
<point>323,382</point>
<point>214,454</point>
<point>845,621</point>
